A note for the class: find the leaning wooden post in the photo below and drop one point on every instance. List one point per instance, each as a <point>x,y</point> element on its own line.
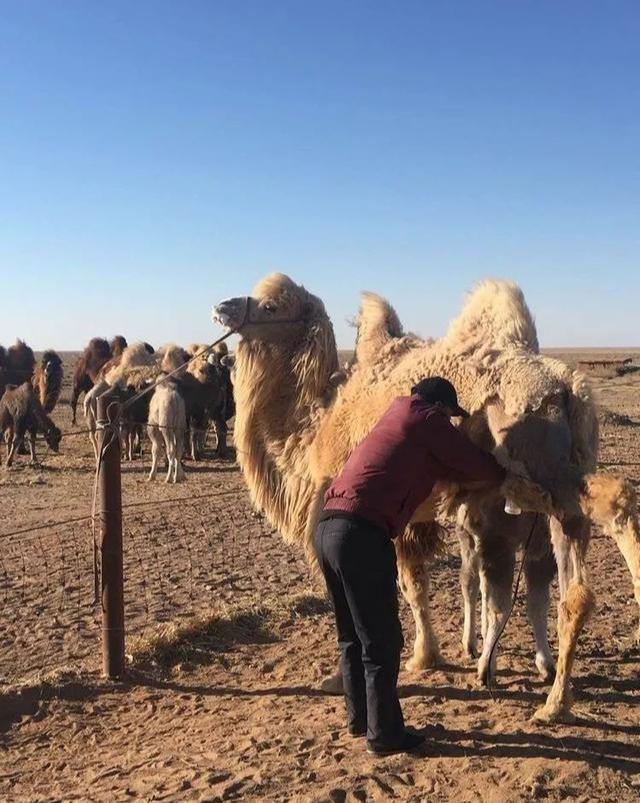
<point>112,585</point>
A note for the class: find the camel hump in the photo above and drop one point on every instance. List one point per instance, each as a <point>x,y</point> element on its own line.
<point>495,316</point>
<point>377,325</point>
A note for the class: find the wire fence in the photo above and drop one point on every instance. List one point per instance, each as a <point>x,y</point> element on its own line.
<point>186,550</point>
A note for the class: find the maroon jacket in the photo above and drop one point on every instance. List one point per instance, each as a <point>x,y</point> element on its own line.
<point>393,470</point>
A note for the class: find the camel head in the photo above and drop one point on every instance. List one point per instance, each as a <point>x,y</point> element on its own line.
<point>287,350</point>
<point>53,436</point>
<point>538,413</point>
<point>285,326</point>
<point>543,421</point>
<point>118,345</point>
<point>278,309</point>
<point>51,363</point>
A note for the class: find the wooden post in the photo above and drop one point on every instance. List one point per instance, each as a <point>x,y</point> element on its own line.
<point>112,585</point>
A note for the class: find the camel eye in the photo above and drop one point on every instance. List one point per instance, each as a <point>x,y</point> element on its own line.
<point>269,307</point>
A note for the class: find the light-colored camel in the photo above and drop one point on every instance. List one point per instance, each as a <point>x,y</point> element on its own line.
<point>294,431</point>
<point>135,368</point>
<point>166,427</point>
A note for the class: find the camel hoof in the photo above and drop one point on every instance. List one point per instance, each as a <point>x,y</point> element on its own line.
<point>548,675</point>
<point>546,670</point>
<point>485,672</point>
<point>470,651</point>
<point>332,685</point>
<point>420,663</point>
<point>549,715</point>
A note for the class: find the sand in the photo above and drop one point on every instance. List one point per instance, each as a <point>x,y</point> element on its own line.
<point>237,715</point>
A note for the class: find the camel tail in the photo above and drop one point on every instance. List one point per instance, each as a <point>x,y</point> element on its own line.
<point>422,542</point>
<point>611,503</point>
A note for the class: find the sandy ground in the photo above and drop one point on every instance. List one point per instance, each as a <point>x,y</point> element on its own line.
<point>236,715</point>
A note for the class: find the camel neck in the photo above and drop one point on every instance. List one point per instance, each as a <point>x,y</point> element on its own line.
<point>275,392</point>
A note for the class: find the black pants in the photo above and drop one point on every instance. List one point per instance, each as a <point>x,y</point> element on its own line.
<point>359,566</point>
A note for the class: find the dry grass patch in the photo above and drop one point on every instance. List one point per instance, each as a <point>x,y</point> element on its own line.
<point>197,639</point>
<point>304,605</point>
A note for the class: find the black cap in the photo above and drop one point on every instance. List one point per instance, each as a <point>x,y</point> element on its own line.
<point>436,389</point>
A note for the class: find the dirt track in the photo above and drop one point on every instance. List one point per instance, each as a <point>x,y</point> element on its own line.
<point>240,717</point>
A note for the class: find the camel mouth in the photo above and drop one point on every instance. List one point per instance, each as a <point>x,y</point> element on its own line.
<point>230,313</point>
<point>221,317</point>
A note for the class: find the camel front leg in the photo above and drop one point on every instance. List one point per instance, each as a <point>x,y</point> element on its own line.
<point>32,448</point>
<point>220,426</point>
<point>412,549</point>
<point>193,443</point>
<point>575,605</point>
<point>414,584</point>
<point>12,442</point>
<point>74,403</point>
<point>126,442</point>
<point>496,576</point>
<point>470,585</point>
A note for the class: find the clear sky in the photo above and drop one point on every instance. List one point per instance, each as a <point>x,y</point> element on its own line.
<point>158,156</point>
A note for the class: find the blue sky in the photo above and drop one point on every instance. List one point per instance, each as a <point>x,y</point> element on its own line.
<point>158,156</point>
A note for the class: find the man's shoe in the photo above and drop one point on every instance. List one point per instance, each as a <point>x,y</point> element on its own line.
<point>410,742</point>
<point>357,732</point>
<point>333,685</point>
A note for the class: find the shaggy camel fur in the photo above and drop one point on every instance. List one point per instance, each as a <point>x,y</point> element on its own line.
<point>16,364</point>
<point>293,436</point>
<point>22,413</point>
<point>167,425</point>
<point>47,379</point>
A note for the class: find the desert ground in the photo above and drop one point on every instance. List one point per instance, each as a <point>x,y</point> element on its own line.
<point>228,637</point>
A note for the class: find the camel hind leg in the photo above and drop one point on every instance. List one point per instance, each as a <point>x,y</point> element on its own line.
<point>179,449</point>
<point>539,572</point>
<point>170,450</point>
<point>418,543</point>
<point>470,585</point>
<point>497,561</point>
<point>156,447</point>
<point>575,605</point>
